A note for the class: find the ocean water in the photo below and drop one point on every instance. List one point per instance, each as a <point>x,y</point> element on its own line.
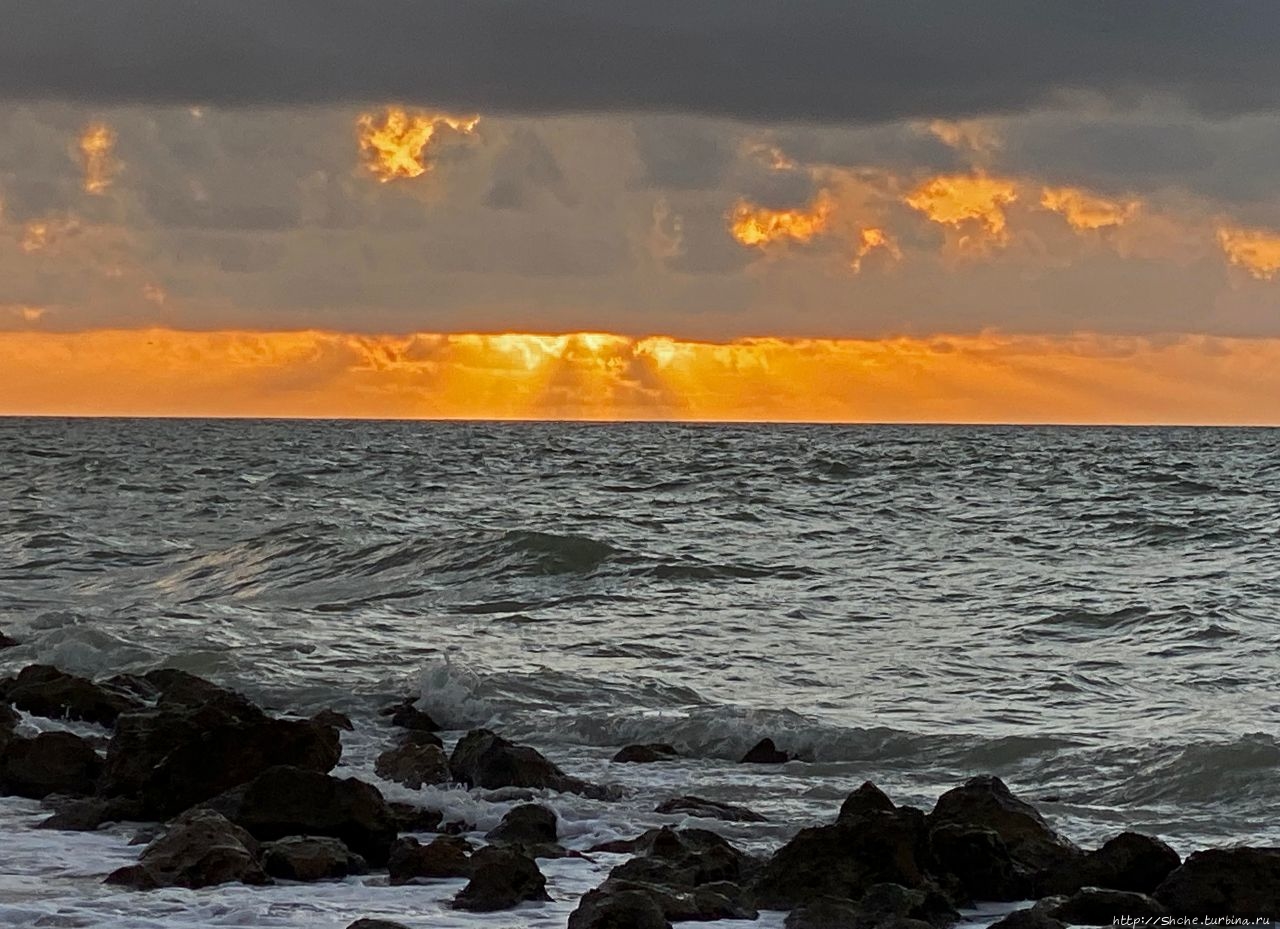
<point>1091,613</point>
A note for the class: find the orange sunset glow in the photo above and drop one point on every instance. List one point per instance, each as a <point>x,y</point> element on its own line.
<point>598,376</point>
<point>396,146</point>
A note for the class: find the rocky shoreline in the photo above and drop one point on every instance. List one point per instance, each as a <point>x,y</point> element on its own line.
<point>225,792</point>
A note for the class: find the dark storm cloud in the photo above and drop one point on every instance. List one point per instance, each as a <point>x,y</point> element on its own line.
<point>826,60</point>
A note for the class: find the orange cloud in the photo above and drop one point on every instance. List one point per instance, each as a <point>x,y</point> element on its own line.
<point>759,226</point>
<point>41,234</point>
<point>972,204</point>
<point>869,240</point>
<point>971,135</point>
<point>396,146</point>
<point>977,378</point>
<point>96,143</point>
<point>1257,251</point>
<point>1084,211</point>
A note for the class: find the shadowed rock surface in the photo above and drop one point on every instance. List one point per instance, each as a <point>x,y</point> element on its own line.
<point>43,690</point>
<point>310,858</point>
<point>647,753</point>
<point>414,765</point>
<point>445,857</point>
<point>199,849</point>
<point>1225,882</point>
<point>49,763</point>
<point>709,809</point>
<point>500,880</point>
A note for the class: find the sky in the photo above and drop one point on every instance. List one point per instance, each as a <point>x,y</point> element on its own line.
<point>1014,211</point>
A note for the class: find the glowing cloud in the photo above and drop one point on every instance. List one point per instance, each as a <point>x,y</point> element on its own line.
<point>971,135</point>
<point>1084,211</point>
<point>1257,251</point>
<point>397,145</point>
<point>97,142</point>
<point>759,226</point>
<point>972,204</point>
<point>38,235</point>
<point>871,239</point>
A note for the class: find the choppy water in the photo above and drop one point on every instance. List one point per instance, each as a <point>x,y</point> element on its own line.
<point>1091,613</point>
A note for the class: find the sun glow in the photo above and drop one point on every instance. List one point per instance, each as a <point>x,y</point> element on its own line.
<point>602,376</point>
<point>97,142</point>
<point>1257,251</point>
<point>397,145</point>
<point>759,226</point>
<point>972,204</point>
<point>1085,212</point>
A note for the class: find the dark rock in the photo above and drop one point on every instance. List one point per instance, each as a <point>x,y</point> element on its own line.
<point>1225,882</point>
<point>9,720</point>
<point>310,858</point>
<point>825,913</point>
<point>376,924</point>
<point>180,755</point>
<point>883,902</point>
<point>1034,917</point>
<point>334,720</point>
<point>407,716</point>
<point>684,859</point>
<point>414,765</point>
<point>43,690</point>
<point>8,641</point>
<point>527,824</point>
<point>447,856</point>
<point>411,818</point>
<point>501,879</point>
<point>420,737</point>
<point>52,762</point>
<point>1130,861</point>
<point>1095,906</point>
<point>709,809</point>
<point>981,862</point>
<point>458,827</point>
<point>765,752</point>
<point>609,908</point>
<point>866,799</point>
<point>92,812</point>
<point>703,903</point>
<point>286,801</point>
<point>985,802</point>
<point>484,759</point>
<point>646,754</point>
<point>199,849</point>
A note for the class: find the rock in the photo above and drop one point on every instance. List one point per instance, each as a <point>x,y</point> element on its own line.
<point>484,759</point>
<point>866,799</point>
<point>9,720</point>
<point>411,818</point>
<point>310,858</point>
<point>709,809</point>
<point>414,765</point>
<point>610,908</point>
<point>825,913</point>
<point>8,641</point>
<point>407,716</point>
<point>447,856</point>
<point>92,812</point>
<point>645,754</point>
<point>178,755</point>
<point>1095,906</point>
<point>703,903</point>
<point>43,690</point>
<point>199,849</point>
<point>419,737</point>
<point>501,879</point>
<point>981,862</point>
<point>1130,861</point>
<point>376,924</point>
<point>1238,881</point>
<point>684,859</point>
<point>1033,917</point>
<point>52,762</point>
<point>286,801</point>
<point>334,720</point>
<point>765,752</point>
<point>527,824</point>
<point>985,802</point>
<point>884,902</point>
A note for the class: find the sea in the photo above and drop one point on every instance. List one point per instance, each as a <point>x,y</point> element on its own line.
<point>1093,614</point>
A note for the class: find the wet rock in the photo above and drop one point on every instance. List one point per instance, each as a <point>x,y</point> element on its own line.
<point>866,799</point>
<point>419,737</point>
<point>527,824</point>
<point>8,641</point>
<point>310,858</point>
<point>52,762</point>
<point>286,801</point>
<point>9,720</point>
<point>709,809</point>
<point>685,859</point>
<point>825,913</point>
<point>411,818</point>
<point>980,861</point>
<point>43,690</point>
<point>178,755</point>
<point>484,759</point>
<point>704,903</point>
<point>1225,882</point>
<point>1095,906</point>
<point>414,765</point>
<point>91,813</point>
<point>407,716</point>
<point>647,753</point>
<point>1130,861</point>
<point>334,720</point>
<point>367,923</point>
<point>199,849</point>
<point>985,802</point>
<point>1034,917</point>
<point>610,908</point>
<point>883,905</point>
<point>765,752</point>
<point>501,879</point>
<point>447,856</point>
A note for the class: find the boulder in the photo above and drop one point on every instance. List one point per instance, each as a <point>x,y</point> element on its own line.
<point>1095,906</point>
<point>980,862</point>
<point>90,813</point>
<point>310,858</point>
<point>709,809</point>
<point>882,905</point>
<point>703,903</point>
<point>286,801</point>
<point>985,802</point>
<point>367,923</point>
<point>43,690</point>
<point>178,755</point>
<point>866,799</point>
<point>527,824</point>
<point>500,880</point>
<point>199,849</point>
<point>1034,917</point>
<point>685,859</point>
<point>484,759</point>
<point>406,715</point>
<point>765,752</point>
<point>645,754</point>
<point>611,908</point>
<point>447,856</point>
<point>1238,881</point>
<point>419,737</point>
<point>52,762</point>
<point>334,720</point>
<point>9,720</point>
<point>1130,861</point>
<point>8,641</point>
<point>414,765</point>
<point>825,913</point>
<point>411,818</point>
